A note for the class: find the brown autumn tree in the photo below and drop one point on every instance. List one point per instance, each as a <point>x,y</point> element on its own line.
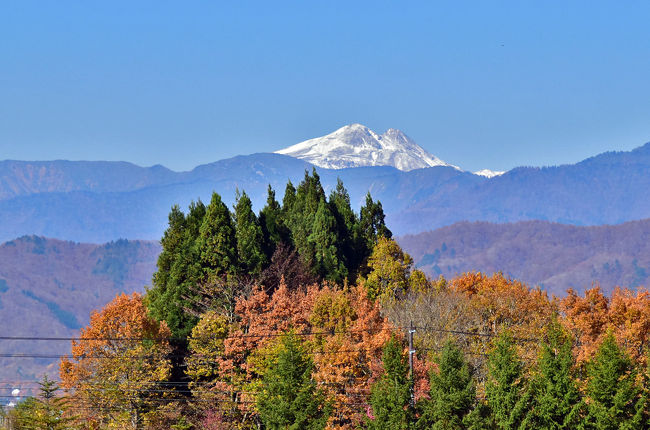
<point>590,317</point>
<point>348,349</point>
<point>497,302</point>
<point>227,360</point>
<point>114,371</point>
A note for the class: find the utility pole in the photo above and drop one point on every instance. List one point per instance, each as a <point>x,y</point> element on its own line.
<point>411,352</point>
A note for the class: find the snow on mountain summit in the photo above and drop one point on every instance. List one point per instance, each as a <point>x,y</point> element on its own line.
<point>356,145</point>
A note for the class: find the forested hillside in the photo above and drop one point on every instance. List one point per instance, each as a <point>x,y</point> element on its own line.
<point>553,256</point>
<point>48,288</point>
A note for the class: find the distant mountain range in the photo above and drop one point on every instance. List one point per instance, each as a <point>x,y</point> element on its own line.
<point>553,256</point>
<point>102,201</point>
<point>49,287</point>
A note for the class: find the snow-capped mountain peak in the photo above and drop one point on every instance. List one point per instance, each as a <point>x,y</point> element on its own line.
<point>356,145</point>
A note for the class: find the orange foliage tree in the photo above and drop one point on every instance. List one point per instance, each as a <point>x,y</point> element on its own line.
<point>590,317</point>
<point>117,364</point>
<point>498,302</point>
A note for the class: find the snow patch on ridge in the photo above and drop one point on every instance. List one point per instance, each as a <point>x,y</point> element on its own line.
<point>489,173</point>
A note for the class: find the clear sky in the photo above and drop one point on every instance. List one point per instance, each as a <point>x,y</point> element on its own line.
<point>483,84</point>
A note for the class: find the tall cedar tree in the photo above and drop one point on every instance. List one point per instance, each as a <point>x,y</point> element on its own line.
<point>556,402</point>
<point>217,241</point>
<point>452,392</point>
<point>249,237</point>
<point>272,225</point>
<point>289,397</point>
<point>348,229</point>
<point>300,216</point>
<point>614,397</point>
<point>505,385</point>
<point>372,223</point>
<point>390,396</point>
<point>179,270</point>
<point>324,239</point>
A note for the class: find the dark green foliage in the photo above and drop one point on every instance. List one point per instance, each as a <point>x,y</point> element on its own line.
<point>347,224</point>
<point>614,397</point>
<point>45,412</point>
<point>452,393</point>
<point>372,223</point>
<point>324,239</point>
<point>207,246</point>
<point>273,228</point>
<point>217,242</point>
<point>390,396</point>
<point>299,217</point>
<point>249,237</point>
<point>289,397</point>
<point>555,400</point>
<point>179,270</point>
<point>505,384</point>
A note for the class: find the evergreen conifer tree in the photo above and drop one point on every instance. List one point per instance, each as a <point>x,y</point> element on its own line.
<point>179,270</point>
<point>372,224</point>
<point>300,218</point>
<point>505,384</point>
<point>45,412</point>
<point>612,390</point>
<point>323,240</point>
<point>289,397</point>
<point>452,393</point>
<point>249,238</point>
<point>288,200</point>
<point>555,402</point>
<point>217,240</point>
<point>347,224</point>
<point>273,228</point>
<point>390,396</point>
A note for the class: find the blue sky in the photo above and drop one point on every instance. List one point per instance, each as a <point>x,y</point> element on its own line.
<point>479,84</point>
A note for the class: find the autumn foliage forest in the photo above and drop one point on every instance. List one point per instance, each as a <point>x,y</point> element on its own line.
<point>300,317</point>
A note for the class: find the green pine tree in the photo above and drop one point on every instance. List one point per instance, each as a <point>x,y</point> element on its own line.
<point>323,240</point>
<point>452,393</point>
<point>372,225</point>
<point>390,396</point>
<point>272,225</point>
<point>249,237</point>
<point>613,393</point>
<point>179,270</point>
<point>300,216</point>
<point>555,400</point>
<point>505,383</point>
<point>289,397</point>
<point>347,223</point>
<point>217,240</point>
<point>45,412</point>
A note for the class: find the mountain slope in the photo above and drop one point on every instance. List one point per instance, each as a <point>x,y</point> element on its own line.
<point>554,256</point>
<point>356,145</point>
<point>607,189</point>
<point>49,287</point>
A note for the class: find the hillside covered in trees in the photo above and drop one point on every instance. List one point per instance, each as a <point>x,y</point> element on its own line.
<point>302,317</point>
<point>553,256</point>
